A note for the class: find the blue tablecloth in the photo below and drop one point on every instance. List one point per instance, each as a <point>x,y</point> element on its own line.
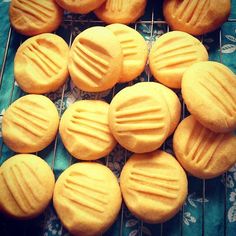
<point>210,206</point>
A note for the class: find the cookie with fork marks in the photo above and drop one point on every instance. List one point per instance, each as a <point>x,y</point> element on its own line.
<point>87,198</point>
<point>154,186</point>
<point>27,184</point>
<point>201,152</point>
<point>196,17</point>
<point>95,60</point>
<point>40,64</point>
<point>209,91</point>
<point>33,17</point>
<point>121,11</point>
<point>30,124</point>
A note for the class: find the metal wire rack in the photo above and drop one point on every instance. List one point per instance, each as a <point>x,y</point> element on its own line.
<point>152,23</point>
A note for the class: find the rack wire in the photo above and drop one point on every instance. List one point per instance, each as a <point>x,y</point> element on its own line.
<point>152,22</point>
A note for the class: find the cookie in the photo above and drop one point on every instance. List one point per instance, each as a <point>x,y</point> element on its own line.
<point>87,198</point>
<point>32,17</point>
<point>27,184</point>
<point>121,11</point>
<point>209,91</point>
<point>172,54</point>
<point>82,7</point>
<point>153,186</point>
<point>134,49</point>
<point>95,61</point>
<point>172,102</point>
<point>196,17</point>
<point>40,64</point>
<point>30,124</point>
<point>139,118</point>
<point>85,131</point>
<point>201,152</point>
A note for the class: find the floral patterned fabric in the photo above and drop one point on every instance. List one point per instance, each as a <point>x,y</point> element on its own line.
<point>210,207</point>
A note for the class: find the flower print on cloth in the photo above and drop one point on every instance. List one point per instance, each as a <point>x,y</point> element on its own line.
<point>188,218</point>
<point>52,225</point>
<point>193,200</point>
<point>229,47</point>
<point>231,186</point>
<point>232,214</point>
<point>116,159</point>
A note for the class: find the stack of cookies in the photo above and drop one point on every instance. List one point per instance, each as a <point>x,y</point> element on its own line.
<point>153,184</point>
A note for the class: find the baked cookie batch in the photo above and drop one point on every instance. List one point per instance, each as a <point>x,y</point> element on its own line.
<point>87,196</point>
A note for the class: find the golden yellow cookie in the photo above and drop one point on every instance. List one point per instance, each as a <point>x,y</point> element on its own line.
<point>40,64</point>
<point>172,54</point>
<point>78,6</point>
<point>85,131</point>
<point>196,16</point>
<point>32,17</point>
<point>30,124</point>
<point>154,186</point>
<point>172,102</point>
<point>209,91</point>
<point>121,11</point>
<point>95,61</point>
<point>139,118</point>
<point>27,184</point>
<point>201,152</point>
<point>87,198</point>
<point>134,49</point>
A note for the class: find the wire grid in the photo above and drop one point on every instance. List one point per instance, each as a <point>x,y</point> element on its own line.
<point>152,23</point>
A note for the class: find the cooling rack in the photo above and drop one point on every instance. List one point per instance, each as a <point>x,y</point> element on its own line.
<point>210,208</point>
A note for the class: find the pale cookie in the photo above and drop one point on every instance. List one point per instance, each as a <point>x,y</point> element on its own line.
<point>209,91</point>
<point>139,118</point>
<point>85,131</point>
<point>87,198</point>
<point>95,61</point>
<point>134,49</point>
<point>27,184</point>
<point>32,17</point>
<point>172,102</point>
<point>201,152</point>
<point>40,64</point>
<point>121,11</point>
<point>196,16</point>
<point>82,7</point>
<point>154,186</point>
<point>172,54</point>
<point>30,124</point>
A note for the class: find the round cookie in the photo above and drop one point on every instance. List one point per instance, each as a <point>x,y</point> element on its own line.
<point>95,60</point>
<point>172,102</point>
<point>40,64</point>
<point>32,17</point>
<point>172,54</point>
<point>139,118</point>
<point>134,49</point>
<point>85,131</point>
<point>121,11</point>
<point>30,124</point>
<point>196,17</point>
<point>201,152</point>
<point>87,198</point>
<point>209,91</point>
<point>82,7</point>
<point>27,184</point>
<point>154,186</point>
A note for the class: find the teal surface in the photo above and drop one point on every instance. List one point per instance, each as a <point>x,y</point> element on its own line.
<point>210,208</point>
